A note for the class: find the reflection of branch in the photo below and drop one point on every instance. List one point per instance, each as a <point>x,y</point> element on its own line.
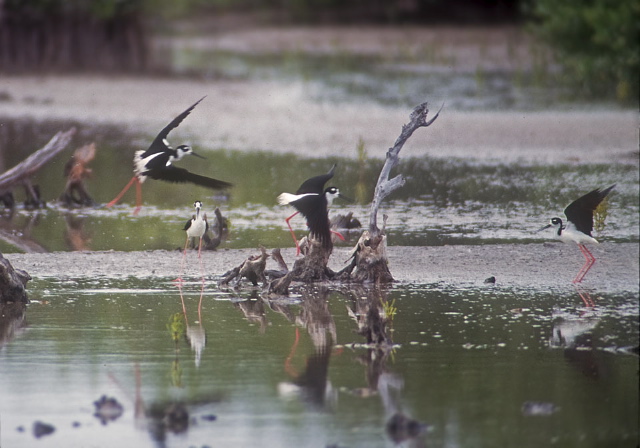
<point>386,186</point>
<point>19,238</point>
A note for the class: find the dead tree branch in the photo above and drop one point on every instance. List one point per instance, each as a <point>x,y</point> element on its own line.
<point>386,186</point>
<point>20,175</point>
<point>370,253</point>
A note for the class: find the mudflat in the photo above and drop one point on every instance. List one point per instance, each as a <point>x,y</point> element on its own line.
<point>282,118</point>
<point>528,266</point>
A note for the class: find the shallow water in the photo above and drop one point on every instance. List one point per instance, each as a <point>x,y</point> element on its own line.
<point>481,367</point>
<point>478,365</point>
<point>444,201</point>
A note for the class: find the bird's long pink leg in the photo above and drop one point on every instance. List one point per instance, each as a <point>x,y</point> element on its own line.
<point>184,308</point>
<point>586,298</point>
<point>184,256</point>
<point>338,234</point>
<point>200,258</point>
<point>200,302</point>
<point>124,190</point>
<point>589,261</point>
<point>287,362</point>
<point>293,234</point>
<point>138,197</point>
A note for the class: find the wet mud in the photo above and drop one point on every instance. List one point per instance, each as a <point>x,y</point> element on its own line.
<point>535,266</point>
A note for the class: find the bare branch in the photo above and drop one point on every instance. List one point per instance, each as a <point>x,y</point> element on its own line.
<point>20,174</point>
<point>386,186</point>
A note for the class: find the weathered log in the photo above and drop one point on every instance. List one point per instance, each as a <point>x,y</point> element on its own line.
<point>12,283</point>
<point>369,255</point>
<point>218,231</point>
<point>252,269</point>
<point>20,175</point>
<point>312,267</point>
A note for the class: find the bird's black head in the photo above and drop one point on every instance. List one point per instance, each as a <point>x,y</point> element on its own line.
<point>184,150</point>
<point>555,222</point>
<point>331,193</point>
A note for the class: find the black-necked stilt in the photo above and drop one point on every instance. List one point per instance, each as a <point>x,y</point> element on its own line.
<point>157,163</point>
<point>313,200</point>
<point>579,226</point>
<point>196,227</point>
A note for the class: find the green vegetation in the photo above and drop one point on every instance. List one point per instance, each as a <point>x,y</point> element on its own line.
<point>597,42</point>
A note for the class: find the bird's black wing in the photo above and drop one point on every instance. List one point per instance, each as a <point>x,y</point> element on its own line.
<point>314,209</point>
<point>580,211</point>
<point>316,184</point>
<point>188,224</point>
<point>180,175</point>
<point>158,145</point>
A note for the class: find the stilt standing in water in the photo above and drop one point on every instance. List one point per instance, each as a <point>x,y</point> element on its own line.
<point>579,226</point>
<point>313,201</point>
<point>196,227</point>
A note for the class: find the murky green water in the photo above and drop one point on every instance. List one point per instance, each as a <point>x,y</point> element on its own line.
<point>445,201</point>
<point>472,365</point>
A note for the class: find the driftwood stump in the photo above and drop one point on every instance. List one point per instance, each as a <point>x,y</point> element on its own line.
<point>370,258</point>
<point>12,283</point>
<point>252,269</point>
<point>218,231</point>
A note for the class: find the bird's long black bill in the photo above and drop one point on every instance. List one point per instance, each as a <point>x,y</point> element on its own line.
<point>341,196</point>
<point>543,228</point>
<point>198,155</point>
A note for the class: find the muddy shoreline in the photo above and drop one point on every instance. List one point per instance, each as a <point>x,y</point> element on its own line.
<point>281,118</point>
<point>530,266</point>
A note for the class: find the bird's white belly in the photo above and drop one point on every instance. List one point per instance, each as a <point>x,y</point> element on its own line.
<point>197,229</point>
<point>572,235</point>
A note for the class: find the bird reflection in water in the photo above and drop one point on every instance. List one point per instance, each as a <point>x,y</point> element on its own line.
<point>195,332</point>
<point>311,383</point>
<point>161,418</point>
<point>573,333</point>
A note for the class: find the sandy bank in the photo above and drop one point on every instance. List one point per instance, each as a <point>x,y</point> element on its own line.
<point>529,266</point>
<point>281,118</point>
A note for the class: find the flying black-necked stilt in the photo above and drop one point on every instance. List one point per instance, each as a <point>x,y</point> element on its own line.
<point>157,163</point>
<point>313,200</point>
<point>579,226</point>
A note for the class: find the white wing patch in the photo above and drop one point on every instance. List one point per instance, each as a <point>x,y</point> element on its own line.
<point>288,198</point>
<point>140,164</point>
